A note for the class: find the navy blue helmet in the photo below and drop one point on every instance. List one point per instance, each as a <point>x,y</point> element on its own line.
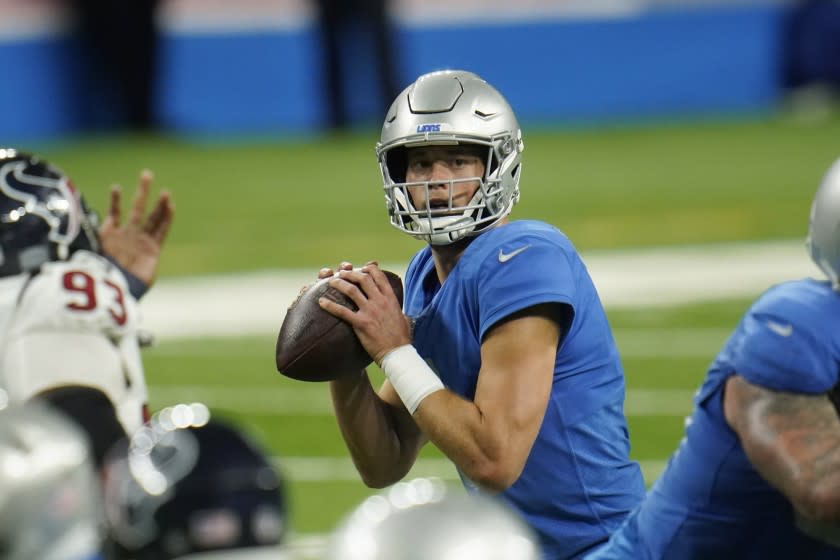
<point>186,484</point>
<point>42,216</point>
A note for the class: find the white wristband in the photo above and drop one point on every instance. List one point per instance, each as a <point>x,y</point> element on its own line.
<point>412,378</point>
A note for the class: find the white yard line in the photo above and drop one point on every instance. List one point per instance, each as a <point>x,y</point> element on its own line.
<point>255,303</point>
<point>320,469</point>
<point>280,402</point>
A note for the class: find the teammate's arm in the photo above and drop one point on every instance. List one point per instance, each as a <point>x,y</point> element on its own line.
<point>793,441</point>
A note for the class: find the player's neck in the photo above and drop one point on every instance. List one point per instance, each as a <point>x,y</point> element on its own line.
<point>446,257</point>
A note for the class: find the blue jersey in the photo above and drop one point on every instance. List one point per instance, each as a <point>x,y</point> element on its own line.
<point>710,502</point>
<point>578,483</point>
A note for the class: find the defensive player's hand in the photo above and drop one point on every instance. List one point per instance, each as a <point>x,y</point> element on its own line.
<point>379,322</point>
<point>136,245</point>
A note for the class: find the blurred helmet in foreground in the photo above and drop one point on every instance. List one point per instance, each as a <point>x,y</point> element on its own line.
<point>420,520</point>
<point>50,501</point>
<point>447,108</point>
<point>42,216</point>
<point>187,486</point>
<point>824,227</point>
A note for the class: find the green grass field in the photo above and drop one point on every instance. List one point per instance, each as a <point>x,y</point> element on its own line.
<point>307,203</point>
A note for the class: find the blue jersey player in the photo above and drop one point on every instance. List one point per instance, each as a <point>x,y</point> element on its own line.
<point>758,472</point>
<point>503,357</point>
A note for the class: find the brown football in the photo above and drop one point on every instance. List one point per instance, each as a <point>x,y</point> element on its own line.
<point>314,345</point>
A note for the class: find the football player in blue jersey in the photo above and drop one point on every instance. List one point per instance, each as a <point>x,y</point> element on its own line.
<point>502,356</point>
<point>758,472</point>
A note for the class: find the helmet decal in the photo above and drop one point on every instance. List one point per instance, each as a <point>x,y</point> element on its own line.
<point>51,199</point>
<point>42,215</point>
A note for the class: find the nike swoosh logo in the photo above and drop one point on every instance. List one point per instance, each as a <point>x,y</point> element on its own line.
<point>505,257</point>
<point>779,329</point>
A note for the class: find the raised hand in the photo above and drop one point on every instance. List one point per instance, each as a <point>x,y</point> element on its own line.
<point>136,245</point>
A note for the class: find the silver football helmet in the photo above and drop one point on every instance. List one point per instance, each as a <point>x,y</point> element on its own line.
<point>451,107</point>
<point>50,500</point>
<point>824,227</point>
<point>423,520</point>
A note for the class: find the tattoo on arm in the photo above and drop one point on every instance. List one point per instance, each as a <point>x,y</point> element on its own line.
<point>793,441</point>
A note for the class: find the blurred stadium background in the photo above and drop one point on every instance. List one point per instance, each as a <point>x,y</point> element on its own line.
<point>661,136</point>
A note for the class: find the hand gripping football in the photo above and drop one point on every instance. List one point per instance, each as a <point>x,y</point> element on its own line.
<point>314,345</point>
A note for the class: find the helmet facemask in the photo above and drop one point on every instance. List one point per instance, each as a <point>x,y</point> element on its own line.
<point>447,109</point>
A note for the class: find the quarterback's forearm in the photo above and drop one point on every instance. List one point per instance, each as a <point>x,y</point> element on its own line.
<point>374,433</point>
<point>489,437</point>
<point>487,452</point>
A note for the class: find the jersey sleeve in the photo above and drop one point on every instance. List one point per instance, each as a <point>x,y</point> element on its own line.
<point>783,352</point>
<point>524,273</point>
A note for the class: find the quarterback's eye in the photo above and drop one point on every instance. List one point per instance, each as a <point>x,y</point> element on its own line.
<point>462,161</point>
<point>419,164</point>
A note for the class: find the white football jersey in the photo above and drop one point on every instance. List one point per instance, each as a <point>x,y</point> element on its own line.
<point>73,323</point>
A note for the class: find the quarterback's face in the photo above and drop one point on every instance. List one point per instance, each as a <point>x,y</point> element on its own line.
<point>439,165</point>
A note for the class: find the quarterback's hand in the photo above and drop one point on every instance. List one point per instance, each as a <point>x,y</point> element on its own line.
<point>327,272</point>
<point>136,245</point>
<point>379,321</point>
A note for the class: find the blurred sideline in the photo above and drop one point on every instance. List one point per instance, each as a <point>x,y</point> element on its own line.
<point>254,304</point>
